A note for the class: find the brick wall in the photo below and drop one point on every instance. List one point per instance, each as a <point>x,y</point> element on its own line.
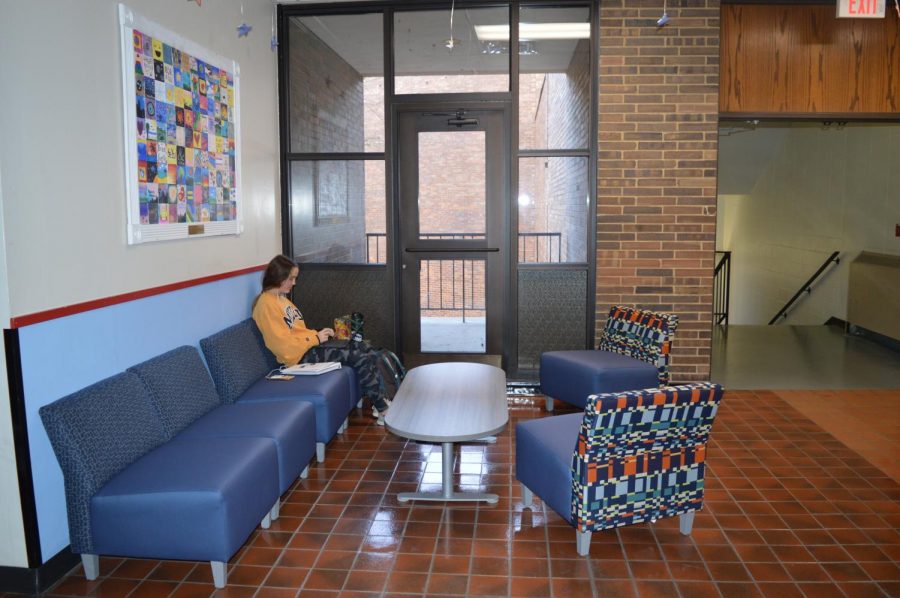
<point>657,168</point>
<point>326,115</point>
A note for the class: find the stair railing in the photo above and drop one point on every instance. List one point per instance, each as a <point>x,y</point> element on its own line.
<point>722,288</point>
<point>807,286</point>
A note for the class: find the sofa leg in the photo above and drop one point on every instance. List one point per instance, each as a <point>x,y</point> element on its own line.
<point>583,542</point>
<point>276,510</point>
<point>359,404</point>
<point>548,401</point>
<point>686,522</point>
<point>219,572</point>
<point>266,522</point>
<point>320,452</point>
<point>527,496</point>
<point>305,473</point>
<point>91,564</point>
<point>345,425</point>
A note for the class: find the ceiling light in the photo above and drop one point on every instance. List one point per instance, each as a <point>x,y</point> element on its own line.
<point>535,31</point>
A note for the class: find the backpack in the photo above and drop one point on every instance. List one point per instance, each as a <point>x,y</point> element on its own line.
<point>392,371</point>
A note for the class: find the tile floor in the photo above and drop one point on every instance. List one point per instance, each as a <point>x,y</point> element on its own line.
<point>789,511</point>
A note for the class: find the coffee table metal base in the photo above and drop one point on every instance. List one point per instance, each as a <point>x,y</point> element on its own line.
<point>447,494</point>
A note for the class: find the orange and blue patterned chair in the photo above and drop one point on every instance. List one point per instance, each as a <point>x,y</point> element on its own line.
<point>633,352</point>
<point>631,457</point>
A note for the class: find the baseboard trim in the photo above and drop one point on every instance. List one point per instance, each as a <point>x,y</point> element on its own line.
<point>23,580</point>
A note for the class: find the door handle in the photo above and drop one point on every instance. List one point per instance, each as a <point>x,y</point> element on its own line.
<point>459,250</point>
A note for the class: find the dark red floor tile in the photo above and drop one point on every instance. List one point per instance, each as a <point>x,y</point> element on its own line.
<point>488,585</point>
<point>768,572</point>
<point>659,589</point>
<point>807,572</point>
<point>286,577</point>
<point>845,572</point>
<point>728,572</point>
<point>690,570</point>
<point>443,584</point>
<point>325,579</point>
<point>193,590</point>
<point>531,587</point>
<point>821,590</point>
<point>247,575</point>
<point>406,582</point>
<point>153,589</point>
<point>172,571</point>
<point>779,590</point>
<point>698,589</point>
<point>365,581</point>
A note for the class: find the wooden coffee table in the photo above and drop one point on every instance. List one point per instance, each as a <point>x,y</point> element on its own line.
<point>447,403</point>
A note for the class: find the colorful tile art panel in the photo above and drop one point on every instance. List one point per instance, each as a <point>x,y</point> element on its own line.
<point>185,121</point>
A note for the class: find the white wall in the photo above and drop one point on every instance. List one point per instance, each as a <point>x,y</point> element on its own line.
<point>822,190</point>
<point>62,204</point>
<point>12,548</point>
<point>62,149</point>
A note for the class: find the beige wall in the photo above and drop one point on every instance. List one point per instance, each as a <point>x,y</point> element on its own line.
<point>822,189</point>
<point>62,204</point>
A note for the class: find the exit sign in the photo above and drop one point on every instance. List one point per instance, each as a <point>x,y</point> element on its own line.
<point>860,9</point>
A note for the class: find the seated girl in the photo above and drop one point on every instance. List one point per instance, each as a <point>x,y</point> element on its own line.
<point>286,335</point>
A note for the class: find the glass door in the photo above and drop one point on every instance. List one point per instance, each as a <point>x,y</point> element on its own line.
<point>453,182</point>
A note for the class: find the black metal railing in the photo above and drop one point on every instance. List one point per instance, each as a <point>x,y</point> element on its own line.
<point>537,248</point>
<point>722,288</point>
<point>533,247</point>
<point>807,286</point>
<point>461,290</point>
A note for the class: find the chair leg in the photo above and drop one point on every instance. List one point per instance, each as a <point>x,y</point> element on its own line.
<point>219,573</point>
<point>686,522</point>
<point>276,510</point>
<point>583,542</point>
<point>91,564</point>
<point>320,452</point>
<point>527,496</point>
<point>548,401</point>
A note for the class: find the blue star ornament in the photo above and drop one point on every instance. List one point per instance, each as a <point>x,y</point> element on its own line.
<point>244,29</point>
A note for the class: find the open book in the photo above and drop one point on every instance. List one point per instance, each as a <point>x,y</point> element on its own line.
<point>310,369</point>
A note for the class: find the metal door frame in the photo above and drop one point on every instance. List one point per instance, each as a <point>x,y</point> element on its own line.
<point>494,248</point>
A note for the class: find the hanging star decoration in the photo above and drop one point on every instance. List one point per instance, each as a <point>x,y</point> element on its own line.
<point>244,29</point>
<point>199,2</point>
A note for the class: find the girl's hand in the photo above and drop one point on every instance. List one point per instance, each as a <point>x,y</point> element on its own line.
<point>325,334</point>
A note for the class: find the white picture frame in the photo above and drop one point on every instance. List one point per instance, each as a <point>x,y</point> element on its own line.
<point>184,181</point>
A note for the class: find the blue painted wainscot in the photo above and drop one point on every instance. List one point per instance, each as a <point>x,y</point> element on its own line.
<point>63,355</point>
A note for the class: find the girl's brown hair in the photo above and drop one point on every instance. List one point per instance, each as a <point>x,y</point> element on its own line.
<point>278,270</point>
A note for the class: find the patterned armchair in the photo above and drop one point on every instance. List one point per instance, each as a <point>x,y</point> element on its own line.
<point>633,352</point>
<point>629,458</point>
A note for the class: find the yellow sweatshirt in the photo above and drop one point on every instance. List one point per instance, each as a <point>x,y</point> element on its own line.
<point>283,328</point>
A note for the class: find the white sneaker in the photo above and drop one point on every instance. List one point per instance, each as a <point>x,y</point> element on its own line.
<point>379,416</point>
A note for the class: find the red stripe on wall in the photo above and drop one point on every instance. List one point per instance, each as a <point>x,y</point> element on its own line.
<point>77,308</point>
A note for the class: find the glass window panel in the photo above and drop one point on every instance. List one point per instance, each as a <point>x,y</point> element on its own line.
<point>338,211</point>
<point>554,78</point>
<point>424,62</point>
<point>452,185</point>
<point>553,210</point>
<point>336,77</point>
<point>452,306</point>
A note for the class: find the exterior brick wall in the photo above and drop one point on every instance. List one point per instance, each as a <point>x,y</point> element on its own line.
<point>657,168</point>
